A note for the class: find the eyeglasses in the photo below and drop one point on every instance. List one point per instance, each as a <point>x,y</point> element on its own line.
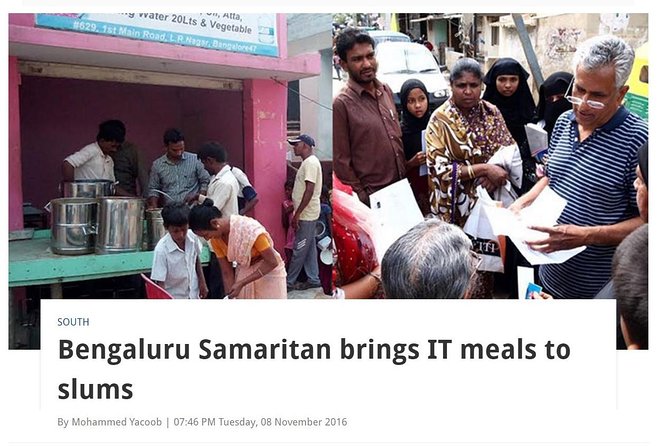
<point>596,105</point>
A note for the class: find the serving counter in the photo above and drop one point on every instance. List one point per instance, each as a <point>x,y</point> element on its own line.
<point>31,262</point>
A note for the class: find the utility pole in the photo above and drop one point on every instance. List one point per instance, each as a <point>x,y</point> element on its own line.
<point>528,50</point>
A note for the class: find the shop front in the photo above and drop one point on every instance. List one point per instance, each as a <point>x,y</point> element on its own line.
<point>217,77</point>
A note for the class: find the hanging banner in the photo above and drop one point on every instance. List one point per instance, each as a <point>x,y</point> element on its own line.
<point>240,33</point>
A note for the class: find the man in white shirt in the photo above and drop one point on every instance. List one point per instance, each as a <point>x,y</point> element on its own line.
<point>306,192</point>
<point>93,162</point>
<point>223,186</point>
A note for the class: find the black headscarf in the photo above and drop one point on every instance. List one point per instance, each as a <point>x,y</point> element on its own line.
<point>555,84</point>
<point>410,124</point>
<point>518,109</point>
<point>643,162</point>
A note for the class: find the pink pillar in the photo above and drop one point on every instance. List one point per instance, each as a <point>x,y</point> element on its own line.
<point>265,151</point>
<point>15,178</point>
<point>282,35</point>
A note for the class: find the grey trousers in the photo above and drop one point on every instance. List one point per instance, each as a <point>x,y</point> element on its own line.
<point>304,254</point>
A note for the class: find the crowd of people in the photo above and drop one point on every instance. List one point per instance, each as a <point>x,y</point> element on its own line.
<point>594,161</point>
<point>593,148</point>
<point>202,196</point>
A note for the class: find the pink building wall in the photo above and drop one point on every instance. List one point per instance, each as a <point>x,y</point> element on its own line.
<point>265,150</point>
<point>22,30</point>
<point>254,126</point>
<point>14,152</point>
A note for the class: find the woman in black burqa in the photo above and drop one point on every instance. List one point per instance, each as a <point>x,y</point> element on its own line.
<point>415,116</point>
<point>552,102</point>
<point>507,88</point>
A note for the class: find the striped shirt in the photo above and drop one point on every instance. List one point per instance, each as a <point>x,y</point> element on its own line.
<point>178,180</point>
<point>596,177</point>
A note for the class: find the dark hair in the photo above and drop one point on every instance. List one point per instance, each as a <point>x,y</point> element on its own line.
<point>348,38</point>
<point>175,214</point>
<point>213,149</point>
<point>112,130</point>
<point>201,216</point>
<point>172,136</point>
<point>643,162</point>
<point>463,65</point>
<point>630,277</point>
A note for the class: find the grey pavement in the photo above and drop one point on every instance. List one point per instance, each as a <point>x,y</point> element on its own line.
<point>312,293</point>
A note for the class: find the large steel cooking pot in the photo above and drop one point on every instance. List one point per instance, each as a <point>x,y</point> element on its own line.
<point>73,225</point>
<point>119,225</point>
<point>155,228</point>
<point>87,188</point>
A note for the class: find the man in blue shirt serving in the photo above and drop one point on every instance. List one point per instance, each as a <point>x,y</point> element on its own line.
<point>592,162</point>
<point>178,175</point>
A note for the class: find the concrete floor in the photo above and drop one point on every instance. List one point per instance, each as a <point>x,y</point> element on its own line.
<point>312,293</point>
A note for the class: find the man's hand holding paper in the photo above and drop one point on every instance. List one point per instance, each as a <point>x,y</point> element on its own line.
<point>533,229</point>
<point>559,238</point>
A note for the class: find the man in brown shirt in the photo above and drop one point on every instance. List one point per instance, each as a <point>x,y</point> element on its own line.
<point>368,152</point>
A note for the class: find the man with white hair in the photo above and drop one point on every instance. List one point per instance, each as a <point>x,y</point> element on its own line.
<point>433,260</point>
<point>592,162</point>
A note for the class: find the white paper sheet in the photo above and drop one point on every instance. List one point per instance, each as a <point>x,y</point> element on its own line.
<point>544,211</point>
<point>537,138</point>
<point>539,258</point>
<point>524,276</point>
<point>396,211</point>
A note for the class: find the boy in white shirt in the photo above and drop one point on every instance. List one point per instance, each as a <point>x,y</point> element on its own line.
<point>176,265</point>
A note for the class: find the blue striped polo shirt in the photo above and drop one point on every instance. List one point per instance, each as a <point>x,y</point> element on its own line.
<point>178,180</point>
<point>596,177</point>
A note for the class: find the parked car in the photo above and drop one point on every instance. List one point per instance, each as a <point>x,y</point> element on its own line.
<point>400,61</point>
<point>381,36</point>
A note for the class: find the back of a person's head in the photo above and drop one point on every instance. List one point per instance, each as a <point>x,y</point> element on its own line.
<point>112,130</point>
<point>643,162</point>
<point>348,38</point>
<point>214,150</point>
<point>175,214</point>
<point>172,136</point>
<point>603,51</point>
<point>431,261</point>
<point>630,278</point>
<point>201,216</point>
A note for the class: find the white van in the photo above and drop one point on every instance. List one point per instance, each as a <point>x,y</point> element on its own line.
<point>400,61</point>
<point>381,36</point>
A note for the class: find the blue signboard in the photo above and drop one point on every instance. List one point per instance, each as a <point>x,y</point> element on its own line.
<point>240,33</point>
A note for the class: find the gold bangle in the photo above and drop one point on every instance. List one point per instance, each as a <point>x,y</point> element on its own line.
<point>471,172</point>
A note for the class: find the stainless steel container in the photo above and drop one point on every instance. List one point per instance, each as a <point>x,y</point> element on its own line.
<point>119,225</point>
<point>155,228</point>
<point>73,225</point>
<point>88,188</point>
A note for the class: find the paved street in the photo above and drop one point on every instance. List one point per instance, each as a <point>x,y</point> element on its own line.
<point>312,293</point>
